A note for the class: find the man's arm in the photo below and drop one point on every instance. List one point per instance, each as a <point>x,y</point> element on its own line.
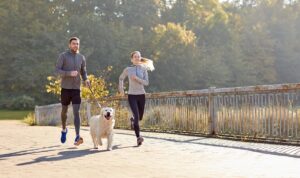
<point>59,68</point>
<point>83,69</point>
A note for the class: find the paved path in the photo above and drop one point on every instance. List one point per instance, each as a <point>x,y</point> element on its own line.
<point>28,152</point>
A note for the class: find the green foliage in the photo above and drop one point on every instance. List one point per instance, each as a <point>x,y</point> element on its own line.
<point>22,102</point>
<point>98,87</point>
<point>174,57</point>
<point>195,44</point>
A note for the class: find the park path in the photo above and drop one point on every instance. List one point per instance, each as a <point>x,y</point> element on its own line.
<point>35,151</point>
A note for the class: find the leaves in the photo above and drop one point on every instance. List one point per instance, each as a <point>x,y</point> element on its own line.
<point>195,44</point>
<point>98,88</point>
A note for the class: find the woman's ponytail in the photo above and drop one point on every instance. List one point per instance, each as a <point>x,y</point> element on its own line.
<point>147,63</point>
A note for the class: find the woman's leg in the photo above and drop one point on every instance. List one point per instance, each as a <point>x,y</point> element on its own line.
<point>141,105</point>
<point>132,99</point>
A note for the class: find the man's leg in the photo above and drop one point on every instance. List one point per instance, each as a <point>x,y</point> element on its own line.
<point>64,111</point>
<point>65,101</point>
<point>76,108</point>
<point>76,101</point>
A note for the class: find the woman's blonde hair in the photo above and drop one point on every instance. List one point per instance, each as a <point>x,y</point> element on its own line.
<point>147,63</point>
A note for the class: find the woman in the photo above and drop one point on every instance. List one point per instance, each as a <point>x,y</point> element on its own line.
<point>138,78</point>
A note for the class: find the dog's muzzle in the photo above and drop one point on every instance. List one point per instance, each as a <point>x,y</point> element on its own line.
<point>107,116</point>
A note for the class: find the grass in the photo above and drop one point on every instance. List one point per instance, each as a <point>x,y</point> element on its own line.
<point>13,114</point>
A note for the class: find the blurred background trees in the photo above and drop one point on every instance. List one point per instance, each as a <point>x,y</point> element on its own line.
<point>195,44</point>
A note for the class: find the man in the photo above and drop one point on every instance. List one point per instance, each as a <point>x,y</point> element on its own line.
<point>70,65</point>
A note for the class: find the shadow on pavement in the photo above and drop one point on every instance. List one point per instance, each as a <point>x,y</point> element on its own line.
<point>63,155</point>
<point>29,151</point>
<point>73,152</point>
<point>272,149</point>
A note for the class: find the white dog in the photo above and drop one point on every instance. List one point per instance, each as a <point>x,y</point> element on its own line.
<point>101,126</point>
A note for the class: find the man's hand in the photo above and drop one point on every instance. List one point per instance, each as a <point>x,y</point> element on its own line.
<point>87,83</point>
<point>74,73</point>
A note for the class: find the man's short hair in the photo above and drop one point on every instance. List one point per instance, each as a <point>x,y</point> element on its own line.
<point>73,38</point>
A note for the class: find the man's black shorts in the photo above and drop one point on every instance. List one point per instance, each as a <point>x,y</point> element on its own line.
<point>68,95</point>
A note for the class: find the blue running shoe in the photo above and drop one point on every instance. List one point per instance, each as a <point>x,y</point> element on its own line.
<point>78,140</point>
<point>63,137</point>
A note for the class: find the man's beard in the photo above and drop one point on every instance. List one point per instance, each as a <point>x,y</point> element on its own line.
<point>75,51</point>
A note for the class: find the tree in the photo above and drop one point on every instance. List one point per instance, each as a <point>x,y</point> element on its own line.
<point>174,49</point>
<point>27,45</point>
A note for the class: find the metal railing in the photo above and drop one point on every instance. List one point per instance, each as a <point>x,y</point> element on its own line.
<point>261,113</point>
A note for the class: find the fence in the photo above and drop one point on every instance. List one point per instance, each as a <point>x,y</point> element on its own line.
<point>50,114</point>
<point>264,113</point>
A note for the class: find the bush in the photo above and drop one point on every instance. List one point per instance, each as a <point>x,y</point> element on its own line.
<point>30,119</point>
<point>21,102</point>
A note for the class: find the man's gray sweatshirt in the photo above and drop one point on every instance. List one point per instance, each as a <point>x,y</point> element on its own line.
<point>67,62</point>
<point>136,87</point>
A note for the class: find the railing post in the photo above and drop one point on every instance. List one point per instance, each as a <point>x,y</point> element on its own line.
<point>211,109</point>
<point>36,115</point>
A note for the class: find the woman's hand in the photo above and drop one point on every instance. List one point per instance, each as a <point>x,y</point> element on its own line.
<point>134,77</point>
<point>122,93</point>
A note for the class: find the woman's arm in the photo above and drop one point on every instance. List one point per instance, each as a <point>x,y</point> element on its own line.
<point>121,80</point>
<point>144,80</point>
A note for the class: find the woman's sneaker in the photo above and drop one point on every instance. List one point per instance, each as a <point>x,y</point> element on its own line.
<point>140,141</point>
<point>78,140</point>
<point>63,136</point>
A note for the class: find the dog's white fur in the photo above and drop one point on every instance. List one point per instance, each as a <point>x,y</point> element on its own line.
<point>101,126</point>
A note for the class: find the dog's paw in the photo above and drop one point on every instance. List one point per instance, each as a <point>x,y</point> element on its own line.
<point>95,147</point>
<point>109,149</point>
